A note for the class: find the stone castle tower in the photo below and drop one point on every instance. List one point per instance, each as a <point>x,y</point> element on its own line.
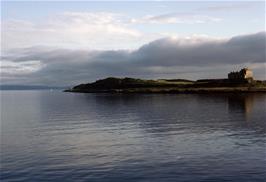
<point>244,75</point>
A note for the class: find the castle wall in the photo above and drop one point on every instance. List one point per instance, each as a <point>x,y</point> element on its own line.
<point>249,74</point>
<point>242,76</point>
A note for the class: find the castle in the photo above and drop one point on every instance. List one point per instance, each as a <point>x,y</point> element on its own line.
<point>244,75</point>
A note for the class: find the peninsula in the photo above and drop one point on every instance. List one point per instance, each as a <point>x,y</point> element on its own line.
<point>241,81</point>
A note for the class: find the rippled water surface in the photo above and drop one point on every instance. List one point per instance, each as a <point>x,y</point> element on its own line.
<point>56,136</point>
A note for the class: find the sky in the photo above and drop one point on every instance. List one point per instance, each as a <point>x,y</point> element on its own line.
<point>67,43</point>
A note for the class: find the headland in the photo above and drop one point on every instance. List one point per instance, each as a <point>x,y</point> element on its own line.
<point>241,81</point>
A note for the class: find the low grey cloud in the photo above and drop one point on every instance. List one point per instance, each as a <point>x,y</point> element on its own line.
<point>232,6</point>
<point>168,58</point>
<point>176,18</point>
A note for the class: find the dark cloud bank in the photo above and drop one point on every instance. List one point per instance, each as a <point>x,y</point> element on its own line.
<point>163,58</point>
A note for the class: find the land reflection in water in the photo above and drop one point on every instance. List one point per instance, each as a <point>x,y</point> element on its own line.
<point>242,103</point>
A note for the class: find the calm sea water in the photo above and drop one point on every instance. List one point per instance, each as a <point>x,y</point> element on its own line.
<point>56,136</point>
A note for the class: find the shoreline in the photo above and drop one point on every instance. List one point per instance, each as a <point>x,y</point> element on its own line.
<point>133,85</point>
<point>175,90</point>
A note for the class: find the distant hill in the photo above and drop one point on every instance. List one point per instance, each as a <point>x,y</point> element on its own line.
<point>125,83</point>
<point>29,87</point>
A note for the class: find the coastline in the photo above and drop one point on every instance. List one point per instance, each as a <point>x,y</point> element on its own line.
<point>176,90</point>
<point>133,85</point>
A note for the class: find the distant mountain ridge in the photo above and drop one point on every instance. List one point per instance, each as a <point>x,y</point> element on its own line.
<point>29,87</point>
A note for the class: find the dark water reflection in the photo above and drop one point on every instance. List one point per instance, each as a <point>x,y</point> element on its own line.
<point>54,136</point>
<point>242,103</point>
